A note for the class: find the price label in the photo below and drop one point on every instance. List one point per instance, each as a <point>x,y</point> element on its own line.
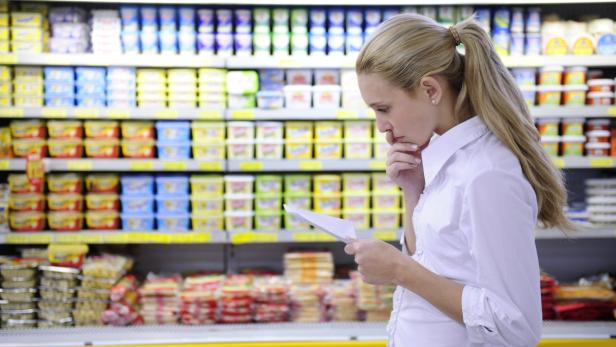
<point>265,237</point>
<point>201,237</point>
<point>166,113</point>
<point>12,112</point>
<point>612,111</point>
<point>346,114</point>
<point>241,238</point>
<point>559,162</point>
<point>82,112</point>
<point>601,162</point>
<point>118,113</point>
<point>5,164</point>
<point>288,62</point>
<point>8,58</point>
<point>25,238</point>
<point>142,165</point>
<point>119,237</point>
<point>174,166</point>
<point>79,165</point>
<point>211,166</point>
<point>243,114</point>
<point>311,165</point>
<point>376,165</point>
<point>53,112</point>
<point>209,115</point>
<point>135,237</point>
<point>251,166</point>
<point>385,235</point>
<point>312,236</point>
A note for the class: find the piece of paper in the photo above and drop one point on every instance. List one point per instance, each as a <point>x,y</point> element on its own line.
<point>339,228</point>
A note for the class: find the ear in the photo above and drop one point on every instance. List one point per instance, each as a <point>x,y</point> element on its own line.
<point>431,90</point>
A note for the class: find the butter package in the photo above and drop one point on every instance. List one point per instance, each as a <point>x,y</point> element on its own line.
<point>26,19</point>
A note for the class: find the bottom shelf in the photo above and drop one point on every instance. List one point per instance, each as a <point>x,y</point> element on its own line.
<point>283,334</point>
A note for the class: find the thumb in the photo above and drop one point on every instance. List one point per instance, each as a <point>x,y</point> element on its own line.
<point>350,248</point>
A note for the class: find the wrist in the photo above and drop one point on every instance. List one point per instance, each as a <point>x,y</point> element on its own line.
<point>411,197</point>
<point>403,265</point>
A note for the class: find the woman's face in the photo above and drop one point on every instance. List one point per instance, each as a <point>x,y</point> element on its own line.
<point>410,117</point>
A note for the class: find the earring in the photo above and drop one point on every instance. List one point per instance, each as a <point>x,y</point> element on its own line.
<point>433,102</point>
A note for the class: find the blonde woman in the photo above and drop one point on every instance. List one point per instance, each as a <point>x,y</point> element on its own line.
<point>468,273</point>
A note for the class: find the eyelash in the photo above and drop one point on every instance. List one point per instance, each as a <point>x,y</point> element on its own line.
<point>383,110</point>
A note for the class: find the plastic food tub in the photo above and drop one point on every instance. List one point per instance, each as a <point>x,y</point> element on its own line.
<point>386,201</point>
<point>208,131</point>
<point>573,145</point>
<point>268,220</point>
<point>270,130</point>
<point>102,129</point>
<point>298,184</point>
<point>137,221</point>
<point>139,130</point>
<point>600,98</point>
<point>173,221</point>
<point>239,220</point>
<point>27,129</point>
<point>138,148</point>
<point>270,100</point>
<point>359,218</point>
<point>239,202</point>
<point>207,185</point>
<point>269,149</point>
<point>102,183</point>
<point>137,185</point>
<point>22,148</point>
<point>551,75</point>
<point>326,96</point>
<point>356,201</point>
<point>209,150</point>
<point>601,85</point>
<point>20,184</point>
<point>598,124</point>
<point>100,202</point>
<point>65,129</point>
<point>64,183</point>
<point>326,130</point>
<point>168,204</point>
<point>65,221</point>
<point>173,131</point>
<point>359,130</point>
<point>382,183</point>
<point>207,204</point>
<point>64,202</point>
<point>551,144</point>
<point>357,149</point>
<point>327,203</point>
<point>298,96</point>
<point>549,95</point>
<point>100,148</point>
<point>269,184</point>
<point>241,184</point>
<point>172,185</point>
<point>598,149</point>
<point>137,203</point>
<point>292,222</point>
<point>210,222</point>
<point>380,149</point>
<point>27,202</point>
<point>298,149</point>
<point>241,131</point>
<point>386,219</point>
<point>574,95</point>
<point>573,126</point>
<point>548,126</point>
<point>103,220</point>
<point>598,136</point>
<point>327,184</point>
<point>240,149</point>
<point>60,148</point>
<point>355,183</point>
<point>268,202</point>
<point>173,150</point>
<point>299,131</point>
<point>575,75</point>
<point>328,149</point>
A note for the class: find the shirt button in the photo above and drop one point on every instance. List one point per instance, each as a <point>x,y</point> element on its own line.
<point>419,252</point>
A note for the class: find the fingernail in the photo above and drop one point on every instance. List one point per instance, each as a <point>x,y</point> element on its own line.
<point>414,147</point>
<point>417,161</point>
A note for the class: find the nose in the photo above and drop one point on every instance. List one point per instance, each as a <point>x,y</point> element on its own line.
<point>382,125</point>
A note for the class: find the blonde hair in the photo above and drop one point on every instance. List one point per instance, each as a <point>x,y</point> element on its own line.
<point>408,47</point>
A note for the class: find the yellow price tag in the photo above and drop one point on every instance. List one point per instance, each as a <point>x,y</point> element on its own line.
<point>251,166</point>
<point>288,62</point>
<point>118,113</point>
<point>385,235</point>
<point>8,58</point>
<point>211,166</point>
<point>377,165</point>
<point>115,237</point>
<point>559,162</point>
<point>312,236</point>
<point>202,237</point>
<point>11,112</point>
<point>18,238</point>
<point>310,165</point>
<point>136,237</point>
<point>82,112</point>
<point>79,165</point>
<point>265,237</point>
<point>209,115</point>
<point>5,164</point>
<point>346,114</point>
<point>167,113</point>
<point>174,166</point>
<point>142,165</point>
<point>243,237</point>
<point>243,114</point>
<point>601,162</point>
<point>68,238</point>
<point>53,112</point>
<point>612,111</point>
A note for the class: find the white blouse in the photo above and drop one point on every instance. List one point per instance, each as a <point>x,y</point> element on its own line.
<point>474,224</point>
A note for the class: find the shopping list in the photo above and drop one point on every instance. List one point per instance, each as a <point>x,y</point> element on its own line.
<point>339,228</point>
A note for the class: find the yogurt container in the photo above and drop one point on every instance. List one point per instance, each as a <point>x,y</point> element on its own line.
<point>137,185</point>
<point>551,144</point>
<point>600,98</point>
<point>64,183</point>
<point>101,148</point>
<point>573,126</point>
<point>299,200</point>
<point>598,149</point>
<point>298,184</point>
<point>357,130</point>
<point>327,184</point>
<point>209,150</point>
<point>299,44</point>
<point>240,149</point>
<point>299,77</point>
<point>575,75</point>
<point>169,131</point>
<point>137,221</point>
<point>27,221</point>
<point>551,75</point>
<point>31,129</point>
<point>385,219</point>
<point>213,222</point>
<point>239,202</point>
<point>382,183</point>
<point>317,44</point>
<point>137,203</point>
<point>301,149</point>
<point>359,218</point>
<point>102,220</point>
<point>173,150</point>
<point>239,184</point>
<point>293,222</point>
<point>241,131</point>
<point>65,221</point>
<point>64,202</point>
<point>573,145</point>
<point>524,76</point>
<point>102,129</point>
<point>299,131</point>
<point>574,95</point>
<point>318,18</point>
<point>207,185</point>
<point>141,130</point>
<point>207,204</point>
<point>328,130</point>
<point>173,221</point>
<point>239,221</point>
<point>549,95</point>
<point>355,183</point>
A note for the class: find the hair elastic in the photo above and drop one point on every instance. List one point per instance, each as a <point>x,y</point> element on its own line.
<point>456,36</point>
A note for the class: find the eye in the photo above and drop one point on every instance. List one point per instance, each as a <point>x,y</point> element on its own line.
<point>382,109</point>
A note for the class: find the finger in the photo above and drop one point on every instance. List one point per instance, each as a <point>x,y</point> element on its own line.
<point>403,158</point>
<point>389,136</point>
<point>360,270</point>
<point>403,147</point>
<point>394,170</point>
<point>350,248</point>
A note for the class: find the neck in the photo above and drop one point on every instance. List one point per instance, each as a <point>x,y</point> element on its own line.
<point>450,118</point>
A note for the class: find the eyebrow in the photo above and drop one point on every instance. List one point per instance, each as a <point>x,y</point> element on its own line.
<point>378,103</point>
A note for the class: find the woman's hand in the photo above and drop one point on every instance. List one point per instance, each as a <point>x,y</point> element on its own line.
<point>378,262</point>
<point>404,166</point>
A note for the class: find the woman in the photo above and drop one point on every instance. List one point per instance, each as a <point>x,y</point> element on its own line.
<point>468,274</point>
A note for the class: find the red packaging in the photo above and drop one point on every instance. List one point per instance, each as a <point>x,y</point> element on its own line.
<point>27,202</point>
<point>21,184</point>
<point>27,221</point>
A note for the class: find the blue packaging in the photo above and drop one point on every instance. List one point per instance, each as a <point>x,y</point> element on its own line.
<point>149,42</point>
<point>483,17</point>
<point>186,41</point>
<point>205,20</point>
<point>173,131</point>
<point>335,18</point>
<point>121,103</point>
<point>318,44</point>
<point>517,44</point>
<point>172,203</point>
<point>59,89</point>
<point>186,17</point>
<point>172,185</point>
<point>372,17</point>
<point>167,16</point>
<point>137,221</point>
<point>501,40</point>
<point>517,20</point>
<point>271,77</point>
<point>137,184</point>
<point>354,21</point>
<point>52,101</point>
<point>173,221</point>
<point>524,76</point>
<point>130,42</point>
<point>168,41</point>
<point>60,74</point>
<point>130,17</point>
<point>224,44</point>
<point>206,43</point>
<point>606,44</point>
<point>501,19</point>
<point>90,73</point>
<point>354,43</point>
<point>90,102</point>
<point>242,44</point>
<point>224,20</point>
<point>390,12</point>
<point>335,44</point>
<point>173,150</point>
<point>137,203</point>
<point>533,44</point>
<point>533,20</point>
<point>149,16</point>
<point>243,20</point>
<point>318,17</point>
<point>94,90</point>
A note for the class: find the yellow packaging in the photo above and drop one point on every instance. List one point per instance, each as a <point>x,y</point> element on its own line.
<point>27,221</point>
<point>358,149</point>
<point>382,219</point>
<point>207,185</point>
<point>380,149</point>
<point>24,147</point>
<point>103,148</point>
<point>299,131</point>
<point>330,203</point>
<point>102,183</point>
<point>6,101</point>
<point>28,89</point>
<point>6,88</point>
<point>28,129</point>
<point>149,75</point>
<point>138,148</point>
<point>298,149</point>
<point>20,183</point>
<point>357,130</point>
<point>100,202</point>
<point>5,74</point>
<point>26,19</point>
<point>5,33</point>
<point>4,19</point>
<point>102,129</point>
<point>240,149</point>
<point>208,131</point>
<point>328,130</point>
<point>35,7</point>
<point>182,75</point>
<point>64,202</point>
<point>32,74</point>
<point>209,150</point>
<point>102,219</point>
<point>207,204</point>
<point>355,183</point>
<point>327,184</point>
<point>28,101</point>
<point>356,201</point>
<point>382,183</point>
<point>6,144</point>
<point>212,222</point>
<point>27,202</point>
<point>138,130</point>
<point>27,46</point>
<point>27,34</point>
<point>385,200</point>
<point>64,129</point>
<point>328,149</point>
<point>64,183</point>
<point>67,221</point>
<point>60,148</point>
<point>5,46</point>
<point>359,218</point>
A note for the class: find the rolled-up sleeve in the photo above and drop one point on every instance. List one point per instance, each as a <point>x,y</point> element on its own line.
<point>503,306</point>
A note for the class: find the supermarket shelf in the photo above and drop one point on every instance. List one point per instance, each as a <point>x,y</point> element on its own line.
<point>121,165</point>
<point>317,334</point>
<point>114,236</point>
<point>238,238</point>
<point>585,232</point>
<point>299,114</point>
<point>111,113</point>
<point>564,60</point>
<point>91,59</point>
<point>290,165</point>
<point>289,62</point>
<point>573,111</point>
<point>584,162</point>
<point>348,2</point>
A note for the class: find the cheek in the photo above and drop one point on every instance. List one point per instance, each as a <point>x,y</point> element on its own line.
<point>417,124</point>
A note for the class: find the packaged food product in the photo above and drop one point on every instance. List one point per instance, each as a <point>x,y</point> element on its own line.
<point>551,144</point>
<point>207,185</point>
<point>529,94</point>
<point>98,202</point>
<point>238,220</point>
<point>298,184</point>
<point>102,129</point>
<point>268,202</point>
<point>551,75</point>
<point>268,184</point>
<point>326,96</point>
<point>137,203</point>
<point>382,183</point>
<point>27,202</point>
<point>102,148</point>
<point>172,185</point>
<point>298,149</point>
<point>356,201</point>
<point>386,201</point>
<point>138,130</point>
<point>240,149</point>
<point>173,150</point>
<point>173,221</point>
<point>355,183</point>
<point>598,124</point>
<point>600,98</point>
<point>239,202</point>
<point>241,131</point>
<point>240,184</point>
<point>386,219</point>
<point>51,294</point>
<point>28,129</point>
<point>21,184</point>
<point>102,183</point>
<point>268,220</point>
<point>357,149</point>
<point>65,221</point>
<point>601,85</point>
<point>359,130</point>
<point>18,270</point>
<point>549,95</point>
<point>67,254</point>
<point>64,202</point>
<point>17,315</point>
<point>359,218</point>
<point>598,136</point>
<point>6,305</point>
<point>137,221</point>
<point>60,148</point>
<point>19,282</point>
<point>327,203</point>
<point>60,284</point>
<point>327,184</point>
<point>137,185</point>
<point>210,222</point>
<point>208,131</point>
<point>173,131</point>
<point>327,130</point>
<point>59,272</point>
<point>598,149</point>
<point>172,203</point>
<point>575,75</point>
<point>299,131</point>
<point>93,294</point>
<point>207,204</point>
<point>298,96</point>
<point>18,295</point>
<point>65,129</point>
<point>138,148</point>
<point>270,99</point>
<point>102,220</point>
<point>574,95</point>
<point>269,149</point>
<point>328,149</point>
<point>27,221</point>
<point>573,126</point>
<point>22,148</point>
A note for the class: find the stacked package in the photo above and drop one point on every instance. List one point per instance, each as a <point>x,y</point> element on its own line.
<point>26,203</point>
<point>268,201</point>
<point>589,300</point>
<point>106,32</point>
<point>212,89</point>
<point>375,302</point>
<point>19,287</point>
<point>124,307</point>
<point>152,87</point>
<point>271,295</point>
<point>199,299</point>
<point>28,87</point>
<point>102,202</point>
<point>235,301</point>
<point>548,287</point>
<point>6,86</point>
<point>306,303</point>
<point>601,201</point>
<point>28,34</point>
<point>58,288</point>
<point>159,299</point>
<point>242,87</point>
<point>91,86</point>
<point>59,86</point>
<point>5,32</point>
<point>182,87</point>
<point>121,87</point>
<point>308,271</point>
<point>340,301</point>
<point>70,32</point>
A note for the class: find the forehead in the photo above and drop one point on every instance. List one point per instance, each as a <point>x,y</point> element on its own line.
<point>375,88</point>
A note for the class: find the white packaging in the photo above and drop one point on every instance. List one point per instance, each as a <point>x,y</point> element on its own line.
<point>298,96</point>
<point>326,76</point>
<point>269,149</point>
<point>240,149</point>
<point>240,130</point>
<point>326,96</point>
<point>270,130</point>
<point>299,76</point>
<point>348,79</point>
<point>351,98</point>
